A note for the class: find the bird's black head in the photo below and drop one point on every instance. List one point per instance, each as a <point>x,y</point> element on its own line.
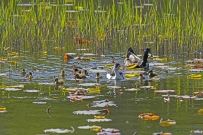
<point>150,71</point>
<point>117,65</point>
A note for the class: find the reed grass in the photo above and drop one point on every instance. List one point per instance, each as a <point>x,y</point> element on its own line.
<point>160,24</point>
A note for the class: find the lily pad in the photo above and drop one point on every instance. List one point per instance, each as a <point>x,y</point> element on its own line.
<point>99,120</point>
<point>147,87</point>
<point>41,103</point>
<point>91,112</point>
<point>3,111</point>
<point>89,84</point>
<point>114,87</point>
<point>195,70</point>
<point>164,91</point>
<point>110,130</point>
<point>97,71</point>
<point>186,97</point>
<point>89,127</point>
<point>32,91</point>
<point>46,83</point>
<point>80,97</point>
<point>11,89</point>
<point>89,54</point>
<point>57,130</point>
<point>132,89</point>
<point>71,53</point>
<point>3,74</point>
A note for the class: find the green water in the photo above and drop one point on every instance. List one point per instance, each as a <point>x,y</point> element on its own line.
<point>24,117</point>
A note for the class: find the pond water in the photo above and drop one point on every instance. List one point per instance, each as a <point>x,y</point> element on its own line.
<point>23,116</point>
<point>39,107</point>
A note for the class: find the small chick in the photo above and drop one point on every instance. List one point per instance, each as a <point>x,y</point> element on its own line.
<point>22,72</point>
<point>152,74</point>
<point>141,77</point>
<point>98,75</point>
<point>29,76</point>
<point>58,81</point>
<point>75,69</point>
<point>63,73</point>
<point>79,76</point>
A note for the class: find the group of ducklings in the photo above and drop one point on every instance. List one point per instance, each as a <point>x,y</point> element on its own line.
<point>29,75</point>
<point>151,74</point>
<point>78,73</point>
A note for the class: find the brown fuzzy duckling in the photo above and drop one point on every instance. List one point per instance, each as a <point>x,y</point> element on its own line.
<point>98,75</point>
<point>152,74</point>
<point>76,69</point>
<point>22,72</point>
<point>63,73</point>
<point>58,81</point>
<point>141,77</point>
<point>79,76</point>
<point>29,76</point>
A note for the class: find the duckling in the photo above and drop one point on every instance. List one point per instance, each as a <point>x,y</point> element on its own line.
<point>98,75</point>
<point>29,76</point>
<point>113,60</point>
<point>58,81</point>
<point>141,77</point>
<point>76,69</point>
<point>85,72</point>
<point>152,74</point>
<point>79,76</point>
<point>22,72</point>
<point>63,73</point>
<point>167,99</point>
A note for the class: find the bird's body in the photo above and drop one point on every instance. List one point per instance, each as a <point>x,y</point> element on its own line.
<point>76,69</point>
<point>58,81</point>
<point>131,57</point>
<point>141,78</point>
<point>81,74</point>
<point>153,75</point>
<point>144,63</point>
<point>29,76</point>
<point>23,72</point>
<point>114,73</point>
<point>63,73</point>
<point>98,75</point>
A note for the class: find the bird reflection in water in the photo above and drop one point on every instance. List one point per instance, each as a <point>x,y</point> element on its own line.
<point>116,88</point>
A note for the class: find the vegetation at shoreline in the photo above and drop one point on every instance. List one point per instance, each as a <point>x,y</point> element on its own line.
<point>167,27</point>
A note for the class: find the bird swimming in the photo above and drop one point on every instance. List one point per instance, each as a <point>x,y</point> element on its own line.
<point>153,75</point>
<point>141,78</point>
<point>81,74</point>
<point>114,73</point>
<point>58,81</point>
<point>29,76</point>
<point>144,63</point>
<point>62,73</point>
<point>131,57</point>
<point>22,72</point>
<point>98,75</point>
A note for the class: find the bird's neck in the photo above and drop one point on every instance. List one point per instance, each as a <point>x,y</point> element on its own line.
<point>117,74</point>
